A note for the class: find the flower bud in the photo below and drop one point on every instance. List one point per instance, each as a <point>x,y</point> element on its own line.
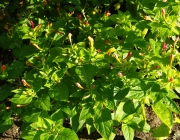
<point>163,12</point>
<point>120,74</point>
<point>91,42</point>
<point>156,67</point>
<point>171,59</point>
<point>79,85</point>
<point>164,47</point>
<point>176,39</point>
<point>108,13</point>
<point>171,79</point>
<point>3,68</point>
<point>147,18</point>
<point>69,36</point>
<point>58,10</point>
<point>87,23</point>
<point>25,83</point>
<point>80,17</point>
<point>107,42</point>
<point>128,55</point>
<point>32,24</point>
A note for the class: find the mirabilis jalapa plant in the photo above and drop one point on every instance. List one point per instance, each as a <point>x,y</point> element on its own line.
<point>95,68</point>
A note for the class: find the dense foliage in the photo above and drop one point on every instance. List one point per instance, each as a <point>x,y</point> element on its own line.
<point>98,63</point>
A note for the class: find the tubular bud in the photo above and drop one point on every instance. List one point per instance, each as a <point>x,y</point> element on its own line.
<point>164,47</point>
<point>147,18</point>
<point>69,36</point>
<point>3,68</point>
<point>32,24</point>
<point>35,46</point>
<point>171,59</point>
<point>107,42</point>
<point>111,50</point>
<point>25,83</point>
<point>91,42</point>
<point>79,85</point>
<point>163,12</point>
<point>128,55</point>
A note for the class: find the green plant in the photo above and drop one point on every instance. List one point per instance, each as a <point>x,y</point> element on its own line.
<point>98,69</point>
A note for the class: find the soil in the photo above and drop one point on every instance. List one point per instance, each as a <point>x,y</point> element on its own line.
<point>14,132</point>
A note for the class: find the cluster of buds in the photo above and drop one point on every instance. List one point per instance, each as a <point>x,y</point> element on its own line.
<point>81,19</point>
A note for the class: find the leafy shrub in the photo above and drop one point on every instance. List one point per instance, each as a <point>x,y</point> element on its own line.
<point>97,63</point>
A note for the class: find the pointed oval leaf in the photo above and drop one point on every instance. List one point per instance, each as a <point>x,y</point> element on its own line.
<point>60,92</point>
<point>163,113</point>
<point>43,102</point>
<point>103,123</point>
<point>128,132</point>
<point>66,134</point>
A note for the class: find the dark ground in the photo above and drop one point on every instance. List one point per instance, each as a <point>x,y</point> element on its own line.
<point>152,119</point>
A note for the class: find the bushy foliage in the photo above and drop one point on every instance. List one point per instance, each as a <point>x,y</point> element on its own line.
<point>97,63</point>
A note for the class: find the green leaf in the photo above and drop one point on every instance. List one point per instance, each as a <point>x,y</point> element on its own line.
<point>135,93</point>
<point>21,99</point>
<point>66,134</point>
<point>31,116</point>
<point>31,135</point>
<point>37,83</point>
<point>69,110</point>
<point>5,124</point>
<point>57,117</point>
<point>162,131</point>
<point>17,68</point>
<point>128,132</point>
<point>156,47</point>
<point>126,108</point>
<point>59,92</point>
<point>5,91</point>
<point>76,125</point>
<point>43,102</point>
<point>44,136</point>
<point>85,113</point>
<point>120,93</point>
<point>137,123</point>
<point>103,123</point>
<point>163,113</point>
<point>89,126</point>
<point>171,104</point>
<point>177,89</point>
<point>117,31</point>
<point>86,73</point>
